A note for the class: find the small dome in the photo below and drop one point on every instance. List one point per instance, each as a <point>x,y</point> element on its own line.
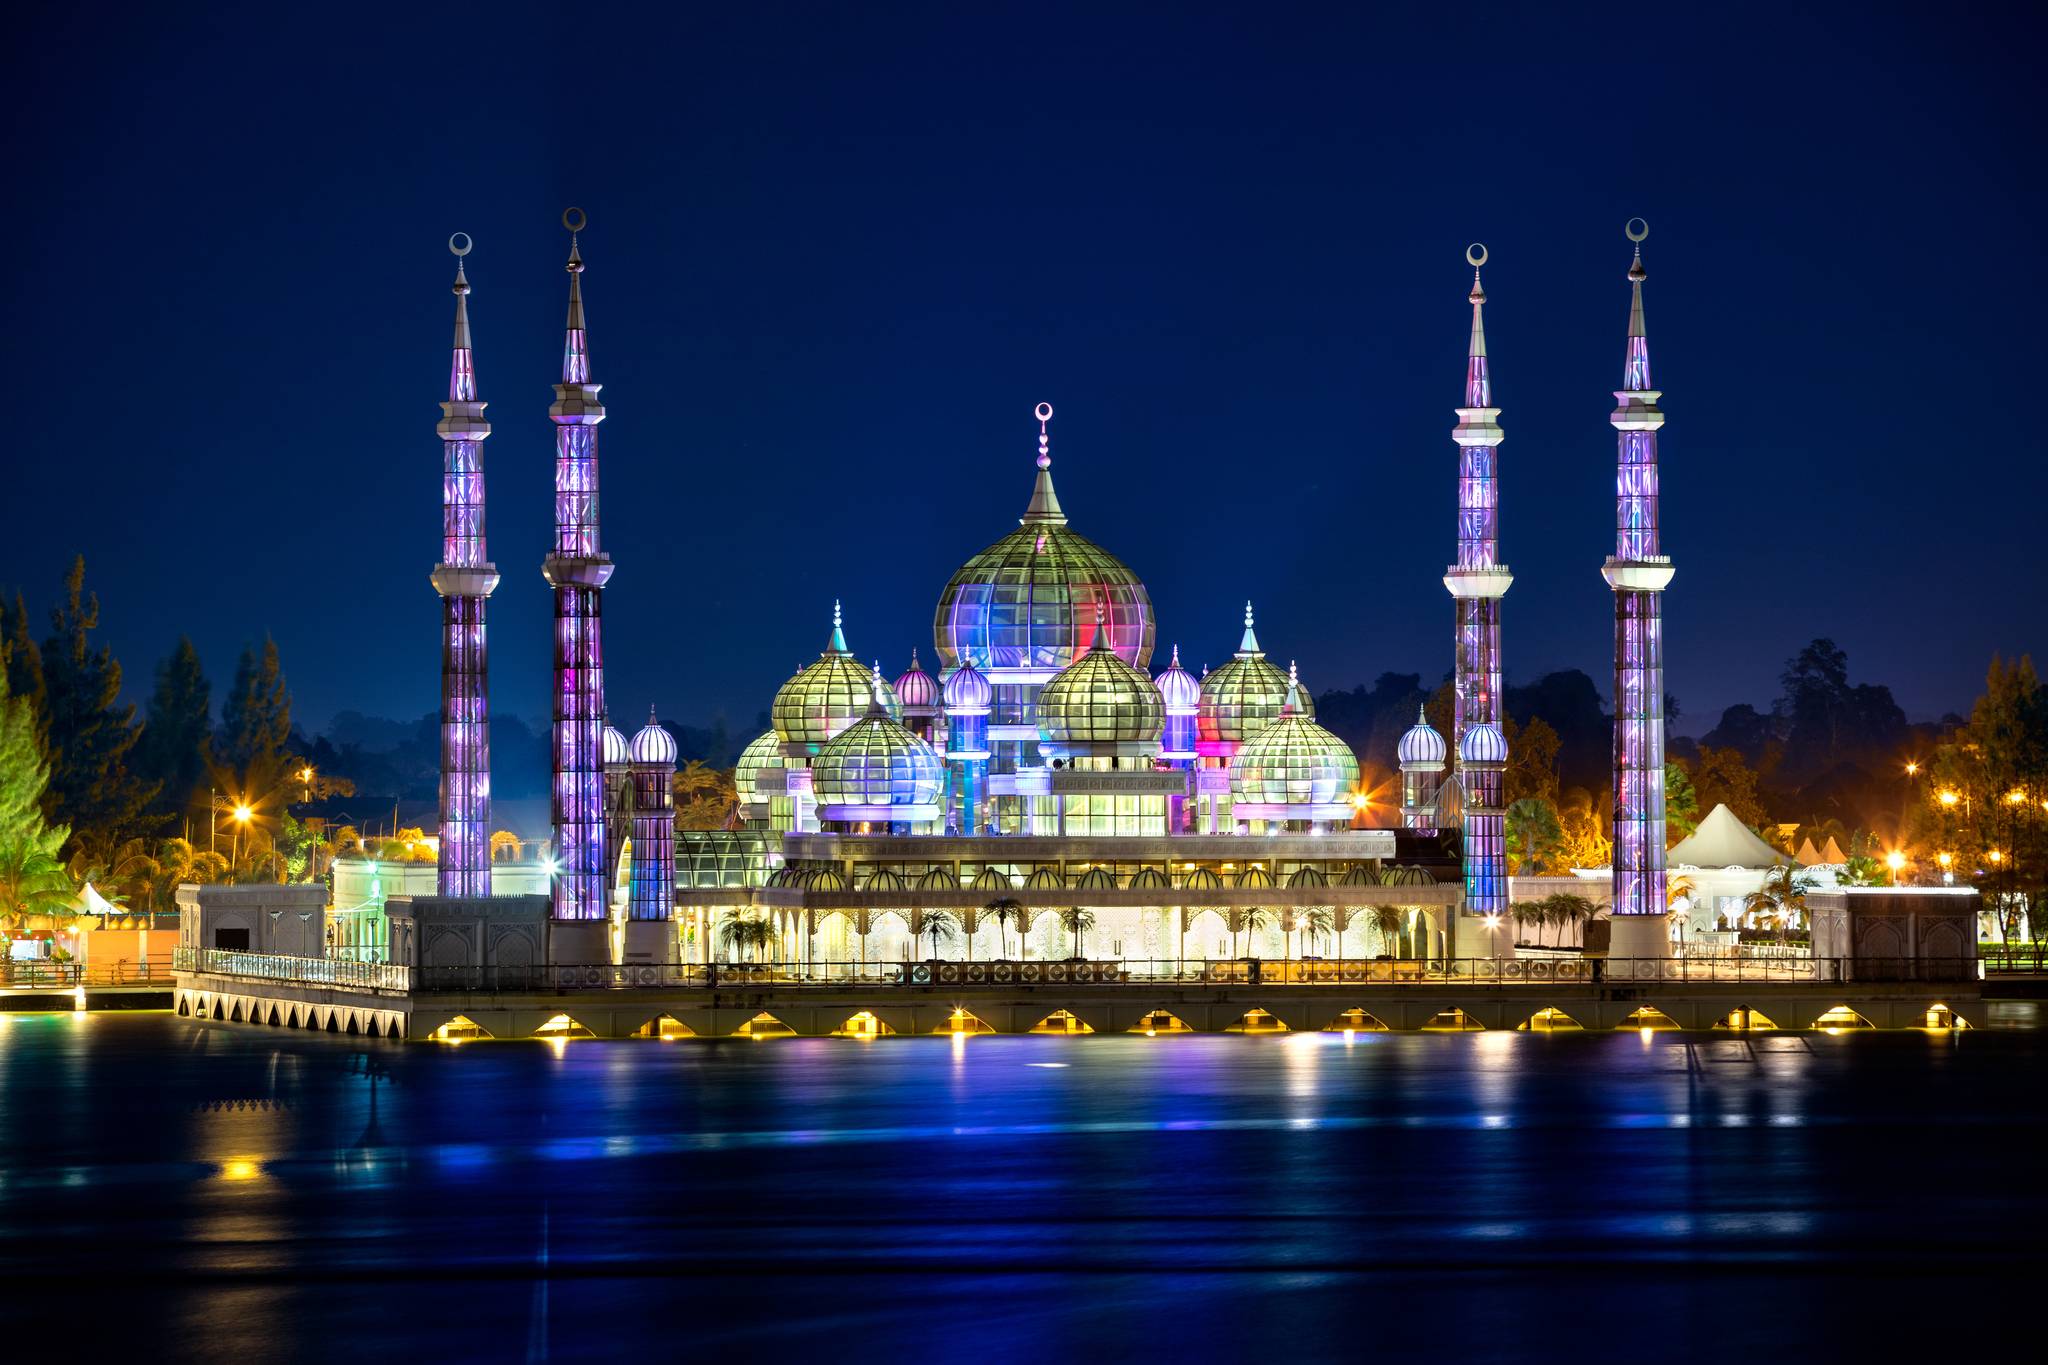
<point>1484,744</point>
<point>1293,761</point>
<point>654,745</point>
<point>877,762</point>
<point>967,690</point>
<point>917,689</point>
<point>764,753</point>
<point>1100,699</point>
<point>827,696</point>
<point>1178,688</point>
<point>1245,695</point>
<point>1422,745</point>
<point>616,749</point>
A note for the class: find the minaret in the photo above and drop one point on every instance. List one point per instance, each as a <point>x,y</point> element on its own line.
<point>1478,580</point>
<point>1638,571</point>
<point>465,578</point>
<point>577,570</point>
<point>1421,754</point>
<point>650,916</point>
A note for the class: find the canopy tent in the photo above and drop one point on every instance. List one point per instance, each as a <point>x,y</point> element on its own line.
<point>1807,855</point>
<point>1833,853</point>
<point>1723,841</point>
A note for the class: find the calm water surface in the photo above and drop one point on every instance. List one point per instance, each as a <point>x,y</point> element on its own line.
<point>208,1191</point>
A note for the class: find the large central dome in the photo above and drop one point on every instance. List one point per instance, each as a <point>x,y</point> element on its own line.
<point>1033,599</point>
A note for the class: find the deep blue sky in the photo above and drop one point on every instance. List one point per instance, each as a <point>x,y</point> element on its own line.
<point>837,253</point>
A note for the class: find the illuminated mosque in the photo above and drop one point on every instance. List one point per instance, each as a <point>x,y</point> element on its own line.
<point>1039,793</point>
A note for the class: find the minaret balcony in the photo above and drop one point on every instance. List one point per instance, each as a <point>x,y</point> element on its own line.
<point>1483,583</point>
<point>1478,427</point>
<point>576,405</point>
<point>1638,410</point>
<point>476,580</point>
<point>1651,574</point>
<point>577,571</point>
<point>463,421</point>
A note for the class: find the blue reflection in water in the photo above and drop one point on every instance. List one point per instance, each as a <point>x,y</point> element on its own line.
<point>1023,1197</point>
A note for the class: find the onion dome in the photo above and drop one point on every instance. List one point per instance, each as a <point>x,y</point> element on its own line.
<point>1100,699</point>
<point>1483,744</point>
<point>827,696</point>
<point>654,746</point>
<point>967,691</point>
<point>917,689</point>
<point>876,761</point>
<point>1178,688</point>
<point>1244,696</point>
<point>1031,600</point>
<point>758,757</point>
<point>616,749</point>
<point>1293,761</point>
<point>1422,746</point>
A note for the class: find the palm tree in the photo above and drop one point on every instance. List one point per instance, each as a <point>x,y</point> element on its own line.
<point>1256,918</point>
<point>1005,909</point>
<point>1077,920</point>
<point>1387,919</point>
<point>1318,922</point>
<point>1564,909</point>
<point>32,881</point>
<point>939,924</point>
<point>1782,897</point>
<point>743,933</point>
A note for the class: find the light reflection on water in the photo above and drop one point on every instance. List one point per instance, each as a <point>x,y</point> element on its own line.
<point>1025,1196</point>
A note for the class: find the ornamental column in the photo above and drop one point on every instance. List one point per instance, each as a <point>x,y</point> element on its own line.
<point>1638,572</point>
<point>465,578</point>
<point>577,570</point>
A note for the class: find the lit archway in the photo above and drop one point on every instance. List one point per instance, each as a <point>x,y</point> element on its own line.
<point>665,1027</point>
<point>1060,1021</point>
<point>1940,1019</point>
<point>1550,1019</point>
<point>862,1025</point>
<point>1257,1021</point>
<point>562,1026</point>
<point>1649,1019</point>
<point>1157,1022</point>
<point>1453,1021</point>
<point>1355,1020</point>
<point>1840,1019</point>
<point>1743,1019</point>
<point>764,1025</point>
<point>962,1021</point>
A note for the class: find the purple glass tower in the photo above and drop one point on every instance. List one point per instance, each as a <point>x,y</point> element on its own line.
<point>577,570</point>
<point>1638,572</point>
<point>1477,582</point>
<point>465,578</point>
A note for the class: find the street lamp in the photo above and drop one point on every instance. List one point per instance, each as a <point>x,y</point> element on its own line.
<point>1895,860</point>
<point>1947,861</point>
<point>241,814</point>
<point>1913,768</point>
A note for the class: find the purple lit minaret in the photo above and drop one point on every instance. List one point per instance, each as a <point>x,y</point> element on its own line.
<point>577,569</point>
<point>1478,581</point>
<point>1638,572</point>
<point>465,578</point>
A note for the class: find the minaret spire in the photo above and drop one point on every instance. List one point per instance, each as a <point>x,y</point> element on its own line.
<point>1045,504</point>
<point>837,644</point>
<point>464,578</point>
<point>578,570</point>
<point>1638,572</point>
<point>1477,582</point>
<point>1248,644</point>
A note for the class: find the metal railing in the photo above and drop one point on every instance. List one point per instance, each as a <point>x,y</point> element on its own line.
<point>1488,973</point>
<point>43,974</point>
<point>307,971</point>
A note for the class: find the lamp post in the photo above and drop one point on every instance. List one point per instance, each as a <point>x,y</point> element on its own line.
<point>1895,860</point>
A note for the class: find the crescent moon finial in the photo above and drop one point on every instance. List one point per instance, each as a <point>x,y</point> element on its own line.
<point>463,238</point>
<point>1043,412</point>
<point>1475,255</point>
<point>1636,229</point>
<point>575,219</point>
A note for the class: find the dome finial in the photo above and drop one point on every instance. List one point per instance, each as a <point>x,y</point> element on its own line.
<point>837,644</point>
<point>1292,706</point>
<point>576,350</point>
<point>1636,373</point>
<point>1248,647</point>
<point>877,706</point>
<point>1045,504</point>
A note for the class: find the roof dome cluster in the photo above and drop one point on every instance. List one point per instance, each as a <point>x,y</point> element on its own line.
<point>1039,597</point>
<point>876,761</point>
<point>827,696</point>
<point>1100,699</point>
<point>1293,761</point>
<point>1245,695</point>
<point>1422,746</point>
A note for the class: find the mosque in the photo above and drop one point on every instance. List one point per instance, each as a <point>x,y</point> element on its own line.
<point>1040,793</point>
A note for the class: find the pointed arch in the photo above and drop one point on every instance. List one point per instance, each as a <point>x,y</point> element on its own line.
<point>562,1026</point>
<point>1453,1020</point>
<point>862,1024</point>
<point>1156,1022</point>
<point>1356,1020</point>
<point>1550,1019</point>
<point>1256,1020</point>
<point>963,1020</point>
<point>1061,1021</point>
<point>665,1027</point>
<point>1743,1019</point>
<point>1649,1018</point>
<point>460,1029</point>
<point>1940,1018</point>
<point>1839,1018</point>
<point>764,1025</point>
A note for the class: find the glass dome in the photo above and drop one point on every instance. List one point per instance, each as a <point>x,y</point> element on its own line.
<point>1422,746</point>
<point>1483,744</point>
<point>1032,599</point>
<point>1245,695</point>
<point>829,695</point>
<point>1293,761</point>
<point>654,746</point>
<point>967,690</point>
<point>1178,688</point>
<point>616,749</point>
<point>877,762</point>
<point>1100,700</point>
<point>763,753</point>
<point>917,688</point>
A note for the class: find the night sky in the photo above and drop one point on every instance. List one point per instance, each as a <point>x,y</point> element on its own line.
<point>837,253</point>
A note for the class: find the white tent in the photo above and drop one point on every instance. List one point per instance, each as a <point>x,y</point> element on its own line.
<point>1723,841</point>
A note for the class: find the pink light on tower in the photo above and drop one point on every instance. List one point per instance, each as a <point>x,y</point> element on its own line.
<point>464,578</point>
<point>1638,572</point>
<point>577,570</point>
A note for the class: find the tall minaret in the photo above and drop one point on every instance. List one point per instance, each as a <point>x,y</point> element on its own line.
<point>1478,580</point>
<point>464,578</point>
<point>577,569</point>
<point>1638,572</point>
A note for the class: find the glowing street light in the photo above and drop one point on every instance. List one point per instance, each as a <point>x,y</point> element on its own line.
<point>1948,798</point>
<point>1913,768</point>
<point>1895,860</point>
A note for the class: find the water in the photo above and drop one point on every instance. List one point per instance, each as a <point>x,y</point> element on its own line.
<point>206,1191</point>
